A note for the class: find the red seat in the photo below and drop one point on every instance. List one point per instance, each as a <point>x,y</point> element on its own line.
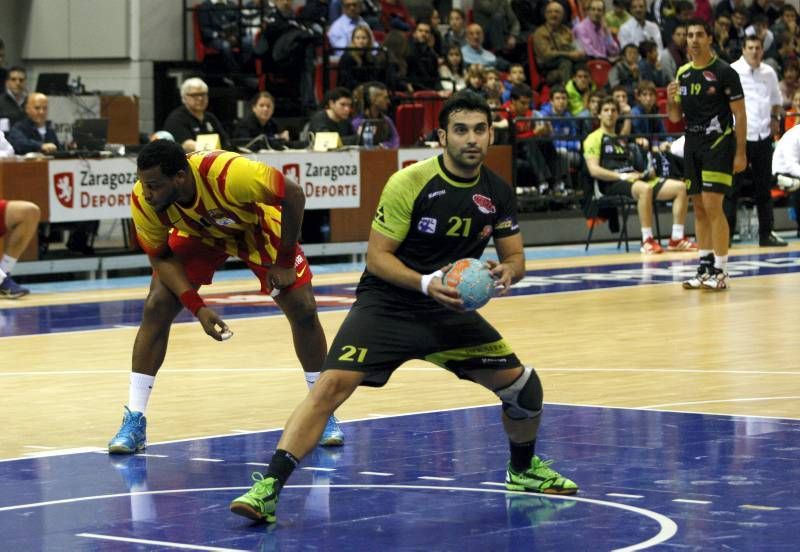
<point>409,119</point>
<point>661,93</point>
<point>200,49</point>
<point>599,69</point>
<point>432,104</point>
<point>535,77</point>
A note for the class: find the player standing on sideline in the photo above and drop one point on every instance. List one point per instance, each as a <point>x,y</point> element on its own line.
<point>429,215</point>
<point>191,213</point>
<point>708,92</point>
<point>18,223</point>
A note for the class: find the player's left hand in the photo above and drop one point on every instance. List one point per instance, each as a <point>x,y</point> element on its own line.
<point>213,324</point>
<point>281,277</point>
<point>739,162</point>
<point>502,274</point>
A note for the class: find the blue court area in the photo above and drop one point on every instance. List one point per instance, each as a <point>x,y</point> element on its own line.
<point>92,315</point>
<point>430,481</point>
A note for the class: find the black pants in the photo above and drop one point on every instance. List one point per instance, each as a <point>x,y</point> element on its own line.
<point>759,177</point>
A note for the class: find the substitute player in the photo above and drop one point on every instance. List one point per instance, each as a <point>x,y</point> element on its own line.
<point>191,213</point>
<point>430,214</point>
<point>708,92</point>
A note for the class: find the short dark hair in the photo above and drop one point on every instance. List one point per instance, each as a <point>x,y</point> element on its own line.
<point>647,46</point>
<point>753,38</point>
<point>17,69</point>
<point>165,154</point>
<point>609,100</point>
<point>336,94</point>
<point>262,94</point>
<point>521,91</point>
<point>465,100</point>
<point>558,89</point>
<point>699,22</point>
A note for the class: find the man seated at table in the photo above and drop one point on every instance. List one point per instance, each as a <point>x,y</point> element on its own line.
<point>34,133</point>
<point>375,104</point>
<point>335,117</point>
<point>189,120</point>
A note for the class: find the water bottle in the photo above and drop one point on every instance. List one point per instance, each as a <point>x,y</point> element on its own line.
<point>743,223</point>
<point>754,223</point>
<point>368,135</point>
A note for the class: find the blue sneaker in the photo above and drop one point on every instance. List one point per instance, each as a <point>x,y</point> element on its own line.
<point>332,436</point>
<point>132,436</point>
<point>9,289</point>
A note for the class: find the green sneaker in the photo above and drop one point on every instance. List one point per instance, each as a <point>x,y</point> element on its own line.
<point>539,478</point>
<point>259,502</point>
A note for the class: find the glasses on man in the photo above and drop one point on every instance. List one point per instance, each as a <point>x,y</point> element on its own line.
<point>198,95</point>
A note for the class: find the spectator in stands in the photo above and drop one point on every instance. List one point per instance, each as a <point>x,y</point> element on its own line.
<point>727,7</point>
<point>620,169</point>
<point>369,10</point>
<point>259,122</point>
<point>34,133</point>
<point>341,30</point>
<point>637,28</point>
<point>681,13</point>
<point>220,29</point>
<point>189,120</point>
<point>500,24</point>
<point>18,223</point>
<point>12,101</point>
<point>361,63</point>
<point>492,83</point>
<point>396,46</point>
<point>733,48</point>
<point>787,23</point>
<point>760,27</point>
<point>578,89</point>
<point>436,40</point>
<point>423,63</point>
<point>790,83</point>
<point>617,16</point>
<point>395,15</point>
<point>786,164</point>
<point>457,29</point>
<point>703,11</point>
<point>793,112</point>
<point>516,75</point>
<point>335,117</point>
<point>554,46</point>
<point>473,51</point>
<point>566,133</point>
<point>649,64</point>
<point>476,76</point>
<point>593,36</point>
<point>626,71</point>
<point>593,109</point>
<point>722,35</point>
<point>674,55</point>
<point>420,9</point>
<point>316,12</point>
<point>3,71</point>
<point>452,73</point>
<point>646,105</point>
<point>622,97</point>
<point>375,103</point>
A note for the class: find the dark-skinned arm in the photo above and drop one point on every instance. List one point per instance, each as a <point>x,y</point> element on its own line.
<point>282,273</point>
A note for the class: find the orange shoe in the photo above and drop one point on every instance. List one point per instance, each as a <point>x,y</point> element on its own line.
<point>651,247</point>
<point>683,244</point>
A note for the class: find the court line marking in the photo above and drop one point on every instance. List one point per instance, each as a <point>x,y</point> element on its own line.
<point>742,399</point>
<point>159,543</point>
<point>434,478</point>
<point>757,507</point>
<point>257,464</point>
<point>315,468</point>
<point>667,527</point>
<point>623,495</point>
<point>690,501</point>
<point>379,474</point>
<point>207,459</point>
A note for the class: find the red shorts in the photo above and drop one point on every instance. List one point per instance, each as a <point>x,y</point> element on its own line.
<point>3,228</point>
<point>201,261</point>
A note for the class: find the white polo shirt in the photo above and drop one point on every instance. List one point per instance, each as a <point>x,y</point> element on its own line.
<point>761,92</point>
<point>632,33</point>
<point>786,158</point>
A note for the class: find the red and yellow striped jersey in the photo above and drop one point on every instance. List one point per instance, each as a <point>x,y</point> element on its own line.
<point>236,209</point>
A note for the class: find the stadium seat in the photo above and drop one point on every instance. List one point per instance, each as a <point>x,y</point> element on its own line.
<point>599,69</point>
<point>432,103</point>
<point>535,77</point>
<point>409,118</point>
<point>200,49</point>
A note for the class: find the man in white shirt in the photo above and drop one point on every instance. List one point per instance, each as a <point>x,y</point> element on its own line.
<point>786,165</point>
<point>341,30</point>
<point>6,150</point>
<point>638,29</point>
<point>762,101</point>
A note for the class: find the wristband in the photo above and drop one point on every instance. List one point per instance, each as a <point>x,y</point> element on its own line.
<point>192,301</point>
<point>425,281</point>
<point>285,258</point>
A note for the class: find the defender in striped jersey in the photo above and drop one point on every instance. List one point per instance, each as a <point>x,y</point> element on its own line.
<point>191,213</point>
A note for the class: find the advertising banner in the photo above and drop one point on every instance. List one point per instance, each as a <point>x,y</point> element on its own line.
<point>90,189</point>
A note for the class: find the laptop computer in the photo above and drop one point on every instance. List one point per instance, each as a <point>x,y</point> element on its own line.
<point>55,84</point>
<point>90,134</point>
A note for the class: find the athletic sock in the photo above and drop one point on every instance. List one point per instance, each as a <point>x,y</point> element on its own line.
<point>7,263</point>
<point>647,233</point>
<point>677,232</point>
<point>521,455</point>
<point>721,262</point>
<point>2,276</point>
<point>139,391</point>
<point>282,465</point>
<point>311,378</point>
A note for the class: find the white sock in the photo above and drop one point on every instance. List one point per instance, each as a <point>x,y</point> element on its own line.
<point>647,233</point>
<point>2,276</point>
<point>677,232</point>
<point>311,379</point>
<point>7,263</point>
<point>721,262</point>
<point>139,391</point>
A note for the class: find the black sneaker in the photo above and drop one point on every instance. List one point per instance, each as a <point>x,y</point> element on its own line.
<point>772,240</point>
<point>9,289</point>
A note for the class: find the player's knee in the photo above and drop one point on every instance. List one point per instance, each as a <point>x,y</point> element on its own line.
<point>161,305</point>
<point>30,212</point>
<point>303,310</point>
<point>332,388</point>
<point>523,398</point>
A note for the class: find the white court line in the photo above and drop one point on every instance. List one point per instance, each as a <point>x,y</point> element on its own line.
<point>757,507</point>
<point>623,495</point>
<point>667,527</point>
<point>744,399</point>
<point>493,483</point>
<point>158,543</point>
<point>313,468</point>
<point>690,501</point>
<point>256,464</point>
<point>378,474</point>
<point>207,459</point>
<point>40,447</point>
<point>433,478</point>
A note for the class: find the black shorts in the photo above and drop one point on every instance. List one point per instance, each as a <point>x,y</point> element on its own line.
<point>708,163</point>
<point>625,187</point>
<point>380,333</point>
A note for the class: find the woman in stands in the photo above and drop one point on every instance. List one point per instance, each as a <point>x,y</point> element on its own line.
<point>360,63</point>
<point>452,72</point>
<point>259,122</point>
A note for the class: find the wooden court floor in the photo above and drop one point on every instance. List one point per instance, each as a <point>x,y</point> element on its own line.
<point>641,347</point>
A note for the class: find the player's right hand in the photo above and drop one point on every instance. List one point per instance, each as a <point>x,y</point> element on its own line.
<point>445,295</point>
<point>212,323</point>
<point>673,88</point>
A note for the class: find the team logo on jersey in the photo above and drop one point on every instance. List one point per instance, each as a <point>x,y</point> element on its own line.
<point>380,216</point>
<point>220,218</point>
<point>485,233</point>
<point>427,225</point>
<point>709,76</point>
<point>484,204</point>
<point>437,193</point>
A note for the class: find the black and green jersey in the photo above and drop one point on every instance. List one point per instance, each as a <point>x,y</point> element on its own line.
<point>610,150</point>
<point>439,217</point>
<point>705,94</point>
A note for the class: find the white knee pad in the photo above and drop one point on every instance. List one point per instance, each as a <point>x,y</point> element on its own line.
<point>523,398</point>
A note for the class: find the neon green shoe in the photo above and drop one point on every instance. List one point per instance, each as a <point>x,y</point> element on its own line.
<point>539,478</point>
<point>259,502</point>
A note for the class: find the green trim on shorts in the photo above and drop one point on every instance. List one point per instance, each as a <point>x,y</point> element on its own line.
<point>497,348</point>
<point>717,177</point>
<point>721,137</point>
